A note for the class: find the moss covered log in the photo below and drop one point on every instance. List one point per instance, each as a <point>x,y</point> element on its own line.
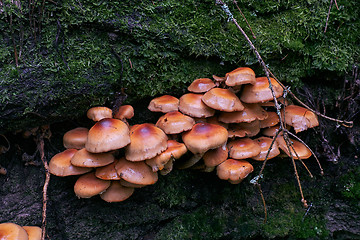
<point>57,58</point>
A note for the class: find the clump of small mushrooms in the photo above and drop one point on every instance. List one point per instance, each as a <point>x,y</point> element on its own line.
<point>220,125</point>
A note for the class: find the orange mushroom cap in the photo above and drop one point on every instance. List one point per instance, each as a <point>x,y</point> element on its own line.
<point>136,172</point>
<point>98,113</point>
<point>107,172</point>
<point>83,158</point>
<point>265,143</point>
<point>235,171</point>
<point>300,118</point>
<point>204,136</point>
<point>222,100</point>
<point>75,138</point>
<point>147,141</point>
<point>165,103</point>
<point>34,232</point>
<point>124,112</point>
<point>244,129</point>
<point>192,105</point>
<point>89,185</point>
<point>60,164</point>
<point>301,150</point>
<point>260,91</point>
<point>243,148</point>
<point>116,192</point>
<point>216,156</point>
<point>175,122</point>
<point>250,113</point>
<point>240,76</point>
<point>201,85</point>
<point>106,135</point>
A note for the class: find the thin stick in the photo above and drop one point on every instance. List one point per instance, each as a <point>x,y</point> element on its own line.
<point>328,15</point>
<point>245,19</point>
<point>263,200</point>
<point>40,145</point>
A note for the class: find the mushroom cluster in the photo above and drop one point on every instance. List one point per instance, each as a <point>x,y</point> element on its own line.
<point>224,123</point>
<point>14,231</point>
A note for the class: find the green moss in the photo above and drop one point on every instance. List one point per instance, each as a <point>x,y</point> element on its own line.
<point>350,185</point>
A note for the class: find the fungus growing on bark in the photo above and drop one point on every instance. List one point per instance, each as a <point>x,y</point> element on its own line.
<point>60,164</point>
<point>89,185</point>
<point>12,231</point>
<point>116,192</point>
<point>192,105</point>
<point>75,138</point>
<point>234,171</point>
<point>146,141</point>
<point>300,118</point>
<point>136,172</point>
<point>98,113</point>
<point>34,232</point>
<point>106,135</point>
<point>201,85</point>
<point>201,138</point>
<point>165,103</point>
<point>83,158</point>
<point>260,91</point>
<point>222,100</point>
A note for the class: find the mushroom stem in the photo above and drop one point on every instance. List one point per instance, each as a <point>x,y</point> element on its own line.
<point>167,167</point>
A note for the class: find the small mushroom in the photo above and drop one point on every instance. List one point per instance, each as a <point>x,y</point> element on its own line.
<point>98,113</point>
<point>84,158</point>
<point>201,85</point>
<point>147,141</point>
<point>301,150</point>
<point>116,192</point>
<point>234,171</point>
<point>240,76</point>
<point>89,185</point>
<point>192,105</point>
<point>222,100</point>
<point>243,148</point>
<point>265,143</point>
<point>260,91</point>
<point>165,103</point>
<point>60,164</point>
<point>106,135</point>
<point>75,138</point>
<point>300,118</point>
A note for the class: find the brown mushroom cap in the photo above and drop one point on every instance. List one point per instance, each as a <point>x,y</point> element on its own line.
<point>34,232</point>
<point>244,129</point>
<point>98,113</point>
<point>300,118</point>
<point>239,76</point>
<point>222,100</point>
<point>83,158</point>
<point>175,122</point>
<point>147,141</point>
<point>250,113</point>
<point>243,148</point>
<point>174,149</point>
<point>264,143</point>
<point>75,138</point>
<point>106,135</point>
<point>165,103</point>
<point>12,231</point>
<point>89,185</point>
<point>124,112</point>
<point>192,105</point>
<point>216,156</point>
<point>201,85</point>
<point>60,164</point>
<point>107,172</point>
<point>234,170</point>
<point>136,172</point>
<point>270,121</point>
<point>260,91</point>
<point>204,136</point>
<point>116,192</point>
<point>301,150</point>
